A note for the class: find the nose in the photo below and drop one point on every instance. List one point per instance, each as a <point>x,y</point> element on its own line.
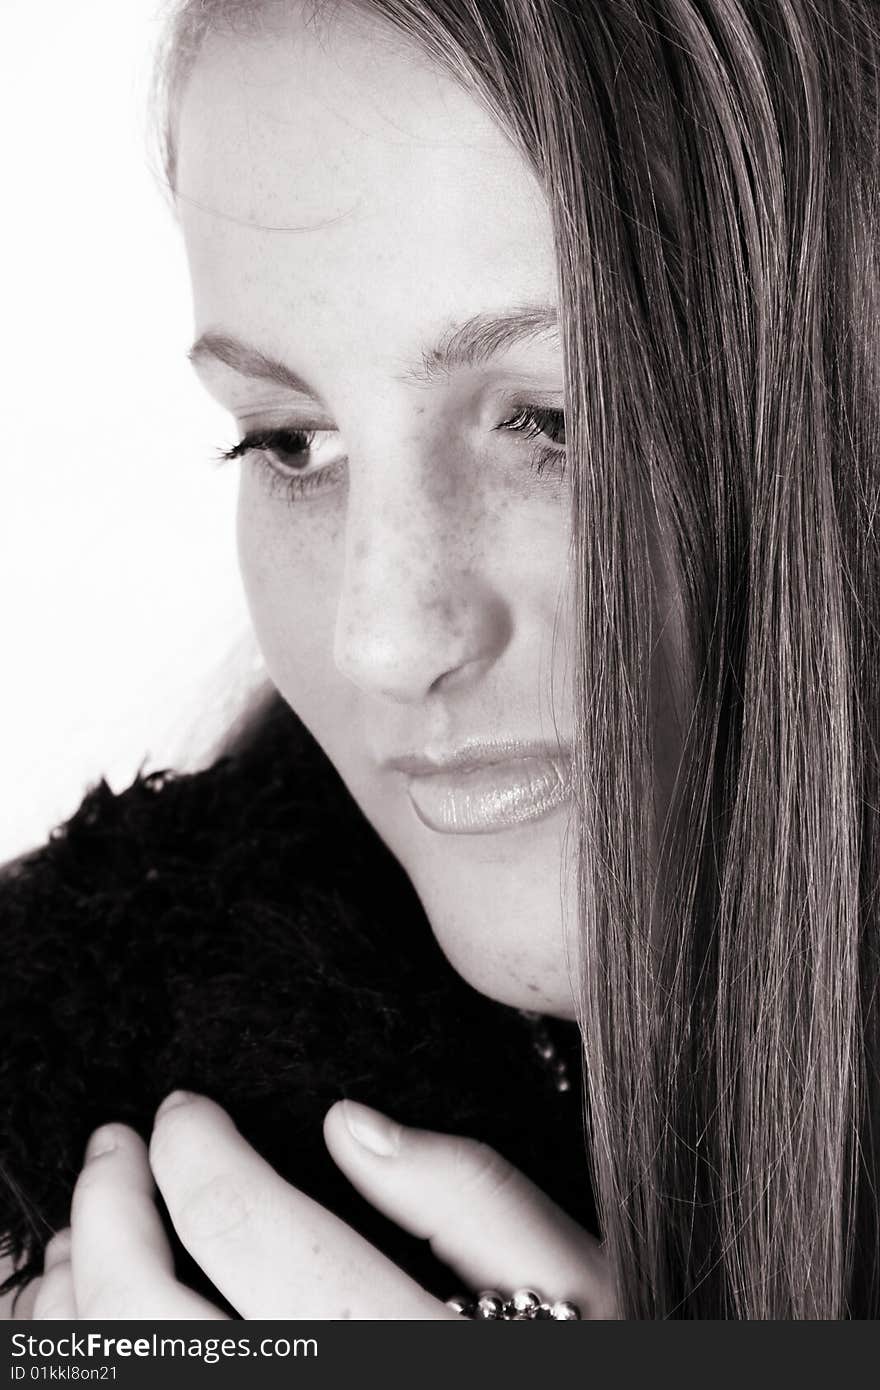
<point>417,611</point>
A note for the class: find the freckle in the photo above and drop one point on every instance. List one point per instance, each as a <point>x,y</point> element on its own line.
<point>533,988</point>
<point>346,1313</point>
<point>442,607</point>
<point>316,1249</point>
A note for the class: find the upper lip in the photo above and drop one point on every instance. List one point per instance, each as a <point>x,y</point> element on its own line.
<point>473,754</point>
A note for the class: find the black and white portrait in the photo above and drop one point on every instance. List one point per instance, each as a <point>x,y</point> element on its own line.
<point>441,820</point>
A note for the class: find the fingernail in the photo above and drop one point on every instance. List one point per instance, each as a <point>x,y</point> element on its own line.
<point>171,1102</point>
<point>103,1141</point>
<point>378,1134</point>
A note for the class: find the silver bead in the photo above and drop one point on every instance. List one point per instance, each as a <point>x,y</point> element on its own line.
<point>523,1303</point>
<point>461,1304</point>
<point>565,1311</point>
<point>490,1304</point>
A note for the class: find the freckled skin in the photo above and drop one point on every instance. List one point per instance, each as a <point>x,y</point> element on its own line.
<point>416,601</point>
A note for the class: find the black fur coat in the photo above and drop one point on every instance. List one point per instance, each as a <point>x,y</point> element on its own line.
<point>243,933</point>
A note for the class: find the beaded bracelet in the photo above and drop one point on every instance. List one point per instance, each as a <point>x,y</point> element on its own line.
<point>523,1305</point>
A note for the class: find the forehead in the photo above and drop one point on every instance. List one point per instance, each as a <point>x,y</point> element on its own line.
<point>335,173</point>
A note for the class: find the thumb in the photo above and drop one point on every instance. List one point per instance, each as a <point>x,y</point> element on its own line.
<point>484,1218</point>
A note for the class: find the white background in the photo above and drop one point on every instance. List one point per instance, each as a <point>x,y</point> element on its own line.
<point>123,629</point>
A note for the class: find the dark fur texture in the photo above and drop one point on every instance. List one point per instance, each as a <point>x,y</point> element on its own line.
<point>243,933</point>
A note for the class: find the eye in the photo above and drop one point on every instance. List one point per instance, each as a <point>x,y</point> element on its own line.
<point>296,460</point>
<point>540,423</point>
<point>533,420</point>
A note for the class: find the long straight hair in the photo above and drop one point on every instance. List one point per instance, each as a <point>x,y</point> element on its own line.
<point>712,171</point>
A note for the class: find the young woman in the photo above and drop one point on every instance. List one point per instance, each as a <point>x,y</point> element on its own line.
<point>551,338</point>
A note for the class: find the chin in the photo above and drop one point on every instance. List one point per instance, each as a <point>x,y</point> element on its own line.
<point>517,957</point>
<point>502,907</point>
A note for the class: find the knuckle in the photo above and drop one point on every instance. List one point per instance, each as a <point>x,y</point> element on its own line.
<point>214,1210</point>
<point>479,1170</point>
<point>203,1206</point>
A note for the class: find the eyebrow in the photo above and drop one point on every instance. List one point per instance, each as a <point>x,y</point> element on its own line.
<point>470,344</point>
<point>481,338</point>
<point>214,346</point>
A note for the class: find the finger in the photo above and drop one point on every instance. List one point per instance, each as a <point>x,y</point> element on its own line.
<point>58,1249</point>
<point>55,1300</point>
<point>18,1304</point>
<point>121,1260</point>
<point>271,1250</point>
<point>53,1295</point>
<point>482,1217</point>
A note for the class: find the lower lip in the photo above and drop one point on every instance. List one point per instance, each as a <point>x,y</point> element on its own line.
<point>493,797</point>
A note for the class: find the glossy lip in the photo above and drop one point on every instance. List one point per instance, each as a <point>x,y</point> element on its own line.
<point>481,788</point>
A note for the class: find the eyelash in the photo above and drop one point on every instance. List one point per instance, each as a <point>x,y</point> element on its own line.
<point>529,421</point>
<point>258,444</point>
<point>532,421</point>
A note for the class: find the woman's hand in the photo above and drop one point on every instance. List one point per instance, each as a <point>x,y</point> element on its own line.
<point>275,1253</point>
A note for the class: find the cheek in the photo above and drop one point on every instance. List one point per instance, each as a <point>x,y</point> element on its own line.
<point>293,566</point>
<point>290,564</point>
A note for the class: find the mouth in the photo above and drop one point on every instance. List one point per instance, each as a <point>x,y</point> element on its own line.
<point>486,788</point>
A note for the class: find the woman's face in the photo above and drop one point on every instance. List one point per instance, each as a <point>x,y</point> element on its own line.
<point>374,277</point>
